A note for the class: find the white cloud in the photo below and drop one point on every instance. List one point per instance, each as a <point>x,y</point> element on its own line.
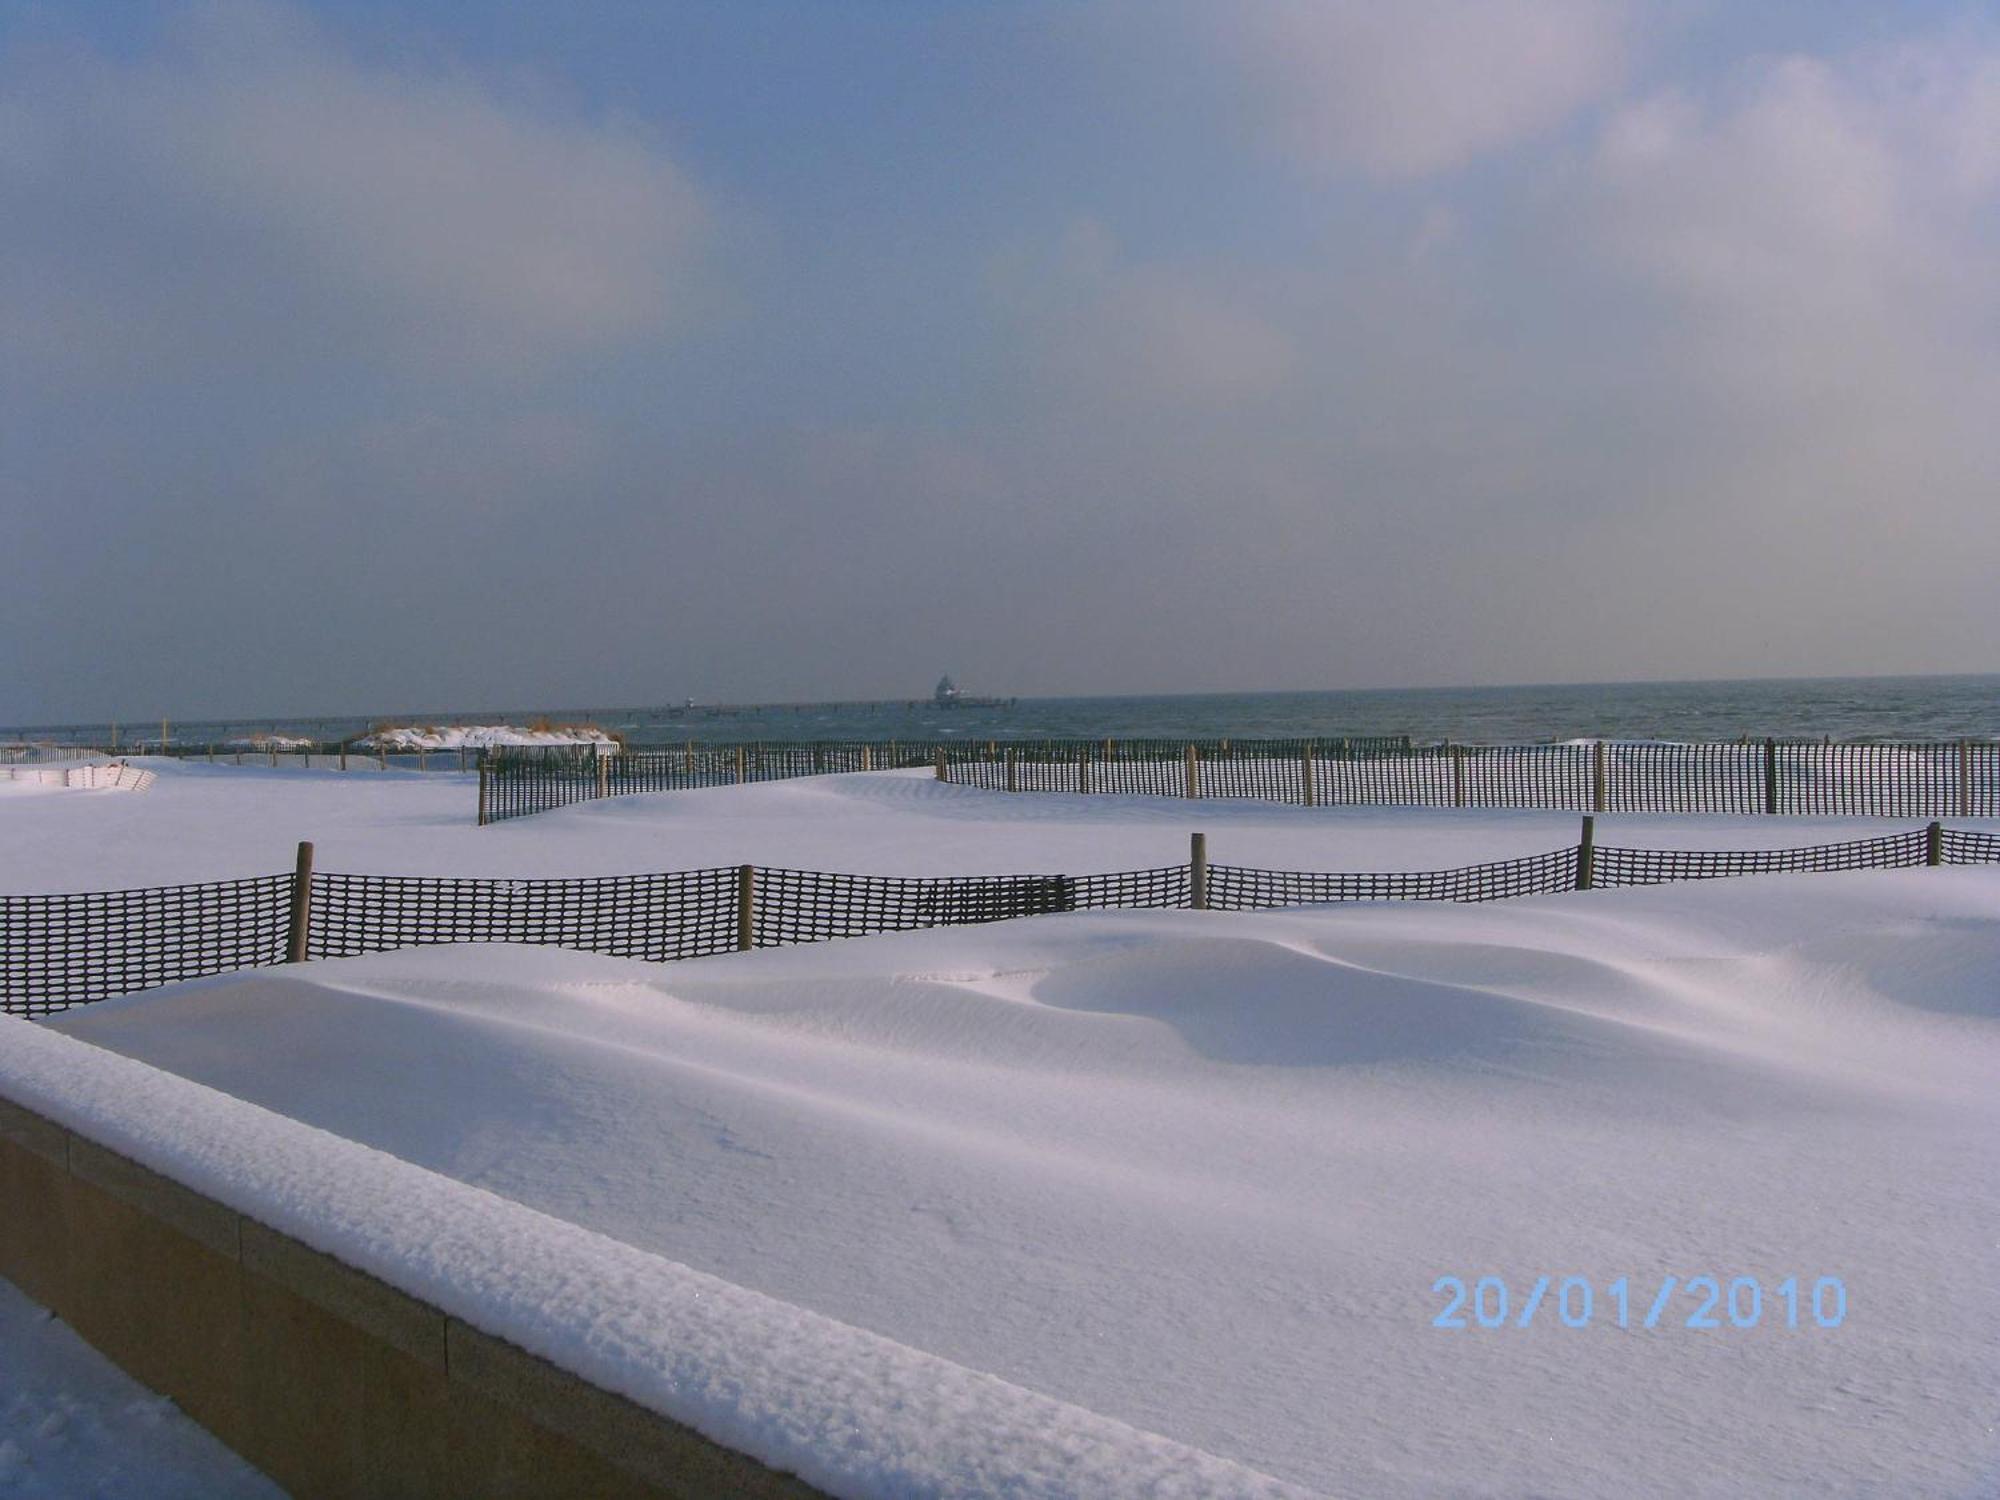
<point>1826,223</point>
<point>1107,327</point>
<point>251,188</point>
<point>1404,89</point>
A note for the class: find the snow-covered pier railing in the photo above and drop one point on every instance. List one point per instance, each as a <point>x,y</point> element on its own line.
<point>62,950</point>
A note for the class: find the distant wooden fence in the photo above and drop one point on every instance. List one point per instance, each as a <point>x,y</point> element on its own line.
<point>64,950</point>
<point>1957,779</point>
<point>517,781</point>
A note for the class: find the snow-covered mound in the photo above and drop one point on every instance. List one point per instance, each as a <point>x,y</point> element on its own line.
<point>477,736</point>
<point>856,1415</point>
<point>1199,1172</point>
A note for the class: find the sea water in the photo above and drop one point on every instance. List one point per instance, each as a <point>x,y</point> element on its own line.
<point>1843,708</point>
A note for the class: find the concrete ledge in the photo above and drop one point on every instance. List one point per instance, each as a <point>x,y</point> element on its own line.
<point>331,1381</point>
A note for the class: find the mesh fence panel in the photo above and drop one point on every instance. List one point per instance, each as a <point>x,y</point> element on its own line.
<point>1962,847</point>
<point>1614,866</point>
<point>1233,888</point>
<point>57,951</point>
<point>1166,886</point>
<point>1683,778</point>
<point>1897,781</point>
<point>805,906</point>
<point>1888,780</point>
<point>684,914</point>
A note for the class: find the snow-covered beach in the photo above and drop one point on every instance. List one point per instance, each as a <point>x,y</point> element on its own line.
<point>1198,1173</point>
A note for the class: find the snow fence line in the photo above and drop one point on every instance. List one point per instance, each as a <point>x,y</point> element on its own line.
<point>848,1412</point>
<point>119,776</point>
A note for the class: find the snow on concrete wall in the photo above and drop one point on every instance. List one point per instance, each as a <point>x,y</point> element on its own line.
<point>848,1411</point>
<point>117,776</point>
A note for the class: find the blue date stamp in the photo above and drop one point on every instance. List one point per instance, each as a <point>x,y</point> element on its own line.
<point>1700,1302</point>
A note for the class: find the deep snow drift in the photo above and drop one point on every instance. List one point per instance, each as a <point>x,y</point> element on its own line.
<point>1199,1171</point>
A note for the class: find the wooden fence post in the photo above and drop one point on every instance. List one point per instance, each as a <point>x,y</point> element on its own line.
<point>1083,770</point>
<point>1965,778</point>
<point>343,755</point>
<point>867,757</point>
<point>302,884</point>
<point>1198,871</point>
<point>1597,777</point>
<point>1306,774</point>
<point>1193,772</point>
<point>940,763</point>
<point>484,805</point>
<point>1010,769</point>
<point>746,908</point>
<point>1770,776</point>
<point>1586,855</point>
<point>1934,845</point>
<point>739,766</point>
<point>603,774</point>
<point>687,763</point>
<point>1457,774</point>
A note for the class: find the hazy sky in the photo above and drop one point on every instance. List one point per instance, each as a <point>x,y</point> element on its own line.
<point>368,357</point>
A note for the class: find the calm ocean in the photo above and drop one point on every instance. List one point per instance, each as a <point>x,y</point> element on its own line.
<point>1857,708</point>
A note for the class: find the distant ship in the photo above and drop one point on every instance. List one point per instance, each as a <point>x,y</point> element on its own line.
<point>948,694</point>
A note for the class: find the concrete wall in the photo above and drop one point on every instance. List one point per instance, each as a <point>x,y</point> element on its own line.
<point>330,1381</point>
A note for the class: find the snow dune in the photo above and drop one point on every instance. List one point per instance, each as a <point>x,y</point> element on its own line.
<point>1197,1172</point>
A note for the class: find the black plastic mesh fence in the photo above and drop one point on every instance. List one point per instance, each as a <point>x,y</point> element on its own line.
<point>1613,866</point>
<point>1232,888</point>
<point>805,906</point>
<point>1167,886</point>
<point>520,781</point>
<point>683,914</point>
<point>57,951</point>
<point>1960,779</point>
<point>1962,847</point>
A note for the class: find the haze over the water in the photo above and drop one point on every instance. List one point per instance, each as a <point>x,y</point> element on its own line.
<point>365,355</point>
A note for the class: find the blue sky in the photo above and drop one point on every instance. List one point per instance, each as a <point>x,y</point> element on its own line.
<point>371,356</point>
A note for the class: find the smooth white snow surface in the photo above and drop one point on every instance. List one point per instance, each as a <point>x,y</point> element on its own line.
<point>202,822</point>
<point>74,1424</point>
<point>855,1414</point>
<point>1196,1172</point>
